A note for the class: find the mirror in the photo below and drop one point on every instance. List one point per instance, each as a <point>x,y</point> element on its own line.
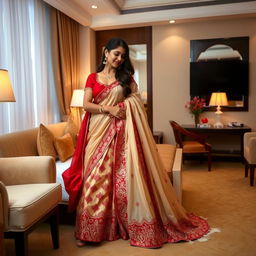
<point>221,64</point>
<point>219,52</point>
<point>138,56</point>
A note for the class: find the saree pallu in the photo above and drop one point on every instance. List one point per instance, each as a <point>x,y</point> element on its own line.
<point>124,191</point>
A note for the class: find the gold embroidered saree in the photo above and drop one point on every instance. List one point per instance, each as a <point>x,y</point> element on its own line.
<point>121,187</point>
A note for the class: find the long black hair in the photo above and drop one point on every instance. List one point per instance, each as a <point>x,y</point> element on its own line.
<point>125,71</point>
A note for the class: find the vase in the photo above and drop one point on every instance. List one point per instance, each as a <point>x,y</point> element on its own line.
<point>196,119</point>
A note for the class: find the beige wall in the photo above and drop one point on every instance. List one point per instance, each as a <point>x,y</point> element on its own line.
<point>87,53</point>
<point>171,56</point>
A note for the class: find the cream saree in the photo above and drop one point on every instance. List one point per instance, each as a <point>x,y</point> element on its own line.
<point>125,192</point>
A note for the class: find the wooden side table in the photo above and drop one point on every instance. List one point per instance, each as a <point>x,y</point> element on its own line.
<point>159,137</point>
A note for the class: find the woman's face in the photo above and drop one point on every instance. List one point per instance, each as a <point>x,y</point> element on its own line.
<point>115,57</point>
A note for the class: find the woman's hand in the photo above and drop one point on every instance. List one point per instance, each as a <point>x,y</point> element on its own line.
<point>116,111</point>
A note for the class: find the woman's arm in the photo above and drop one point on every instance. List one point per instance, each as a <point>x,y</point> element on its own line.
<point>115,111</point>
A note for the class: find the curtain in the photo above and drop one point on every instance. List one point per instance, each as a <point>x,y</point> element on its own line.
<point>25,51</point>
<point>65,52</point>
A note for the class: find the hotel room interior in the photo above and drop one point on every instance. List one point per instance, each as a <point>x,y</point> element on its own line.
<point>164,38</point>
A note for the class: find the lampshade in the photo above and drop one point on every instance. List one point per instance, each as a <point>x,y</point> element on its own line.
<point>218,99</point>
<point>77,98</point>
<point>6,92</point>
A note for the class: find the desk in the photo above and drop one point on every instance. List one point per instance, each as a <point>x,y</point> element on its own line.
<point>225,141</point>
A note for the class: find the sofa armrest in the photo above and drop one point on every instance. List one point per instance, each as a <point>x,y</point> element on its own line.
<point>27,170</point>
<point>250,148</point>
<point>177,173</point>
<point>4,204</point>
<point>247,137</point>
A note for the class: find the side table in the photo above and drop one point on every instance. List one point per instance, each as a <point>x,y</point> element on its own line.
<point>159,137</point>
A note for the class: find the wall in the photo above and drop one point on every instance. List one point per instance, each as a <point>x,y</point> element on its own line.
<point>87,53</point>
<point>171,56</point>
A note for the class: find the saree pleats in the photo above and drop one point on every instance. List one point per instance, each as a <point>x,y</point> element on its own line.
<point>125,191</point>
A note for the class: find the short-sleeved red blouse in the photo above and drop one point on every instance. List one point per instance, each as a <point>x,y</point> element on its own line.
<point>96,86</point>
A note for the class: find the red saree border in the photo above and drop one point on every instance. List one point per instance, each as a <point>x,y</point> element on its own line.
<point>72,177</point>
<point>101,148</point>
<point>105,92</point>
<point>119,179</point>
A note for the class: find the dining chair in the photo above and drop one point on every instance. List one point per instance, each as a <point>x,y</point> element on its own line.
<point>191,142</point>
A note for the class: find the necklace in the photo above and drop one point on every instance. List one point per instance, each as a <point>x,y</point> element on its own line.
<point>108,76</point>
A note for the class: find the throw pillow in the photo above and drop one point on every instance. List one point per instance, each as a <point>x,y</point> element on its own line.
<point>72,129</point>
<point>45,138</point>
<point>64,147</point>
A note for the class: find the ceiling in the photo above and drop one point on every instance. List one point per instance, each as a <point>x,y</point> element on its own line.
<point>130,13</point>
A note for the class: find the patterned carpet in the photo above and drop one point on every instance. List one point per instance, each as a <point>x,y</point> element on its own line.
<point>223,196</point>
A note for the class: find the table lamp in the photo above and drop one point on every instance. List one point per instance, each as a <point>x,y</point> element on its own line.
<point>77,101</point>
<point>77,98</point>
<point>218,99</point>
<point>6,92</point>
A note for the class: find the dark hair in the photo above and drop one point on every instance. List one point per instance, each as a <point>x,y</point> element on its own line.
<point>125,71</point>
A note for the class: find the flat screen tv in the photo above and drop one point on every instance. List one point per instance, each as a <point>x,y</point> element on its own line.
<point>230,76</point>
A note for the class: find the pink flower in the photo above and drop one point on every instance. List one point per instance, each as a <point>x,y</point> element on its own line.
<point>195,106</point>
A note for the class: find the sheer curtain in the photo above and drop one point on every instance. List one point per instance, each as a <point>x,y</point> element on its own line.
<point>25,50</point>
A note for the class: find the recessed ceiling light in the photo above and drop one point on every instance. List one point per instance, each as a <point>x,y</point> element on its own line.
<point>171,21</point>
<point>94,6</point>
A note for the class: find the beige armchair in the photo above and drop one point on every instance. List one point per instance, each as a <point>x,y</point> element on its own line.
<point>250,154</point>
<point>28,196</point>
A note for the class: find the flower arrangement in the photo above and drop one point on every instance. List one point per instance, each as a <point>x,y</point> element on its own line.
<point>196,107</point>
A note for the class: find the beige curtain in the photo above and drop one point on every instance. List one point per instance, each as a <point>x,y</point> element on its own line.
<point>65,53</point>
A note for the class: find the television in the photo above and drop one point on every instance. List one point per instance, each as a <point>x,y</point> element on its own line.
<point>230,76</point>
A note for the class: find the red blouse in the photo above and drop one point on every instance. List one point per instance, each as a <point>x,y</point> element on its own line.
<point>96,86</point>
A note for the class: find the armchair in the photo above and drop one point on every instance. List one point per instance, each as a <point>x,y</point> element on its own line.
<point>196,145</point>
<point>250,154</point>
<point>28,196</point>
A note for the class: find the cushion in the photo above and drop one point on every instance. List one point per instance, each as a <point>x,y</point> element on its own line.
<point>72,128</point>
<point>64,147</point>
<point>193,147</point>
<point>29,202</point>
<point>45,142</point>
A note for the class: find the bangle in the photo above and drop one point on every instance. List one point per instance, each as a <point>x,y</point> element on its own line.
<point>102,110</point>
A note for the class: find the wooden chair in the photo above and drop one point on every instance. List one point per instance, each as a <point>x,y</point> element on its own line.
<point>196,145</point>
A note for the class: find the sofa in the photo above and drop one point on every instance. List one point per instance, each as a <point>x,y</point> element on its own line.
<point>24,143</point>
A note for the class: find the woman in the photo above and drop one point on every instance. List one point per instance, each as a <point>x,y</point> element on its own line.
<point>116,181</point>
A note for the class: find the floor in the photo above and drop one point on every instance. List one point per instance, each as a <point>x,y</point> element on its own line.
<point>223,196</point>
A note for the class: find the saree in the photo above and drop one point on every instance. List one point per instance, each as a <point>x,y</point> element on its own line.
<point>117,182</point>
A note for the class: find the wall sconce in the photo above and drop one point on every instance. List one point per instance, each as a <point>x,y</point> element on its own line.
<point>218,99</point>
<point>6,92</point>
